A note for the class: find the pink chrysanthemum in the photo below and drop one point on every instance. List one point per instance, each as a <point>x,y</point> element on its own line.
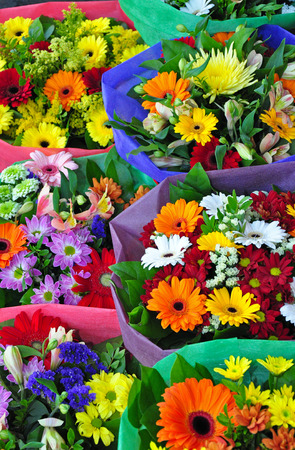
<point>11,93</point>
<point>48,168</point>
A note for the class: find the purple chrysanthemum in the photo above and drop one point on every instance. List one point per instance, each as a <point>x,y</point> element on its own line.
<point>66,284</point>
<point>36,228</point>
<point>83,234</point>
<point>48,293</point>
<point>18,275</point>
<point>69,250</point>
<point>79,397</point>
<point>28,369</point>
<point>4,401</point>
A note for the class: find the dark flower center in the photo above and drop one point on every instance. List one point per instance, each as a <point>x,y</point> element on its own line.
<point>255,235</point>
<point>51,169</point>
<point>13,90</point>
<point>232,310</point>
<point>44,144</point>
<point>168,255</point>
<point>197,127</point>
<point>178,305</point>
<point>202,424</point>
<point>90,54</point>
<point>66,91</point>
<point>4,245</point>
<point>18,33</point>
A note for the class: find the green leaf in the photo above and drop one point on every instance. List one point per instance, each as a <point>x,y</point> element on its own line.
<point>277,58</point>
<point>207,42</point>
<point>28,351</point>
<point>73,181</point>
<point>71,436</point>
<point>199,180</point>
<point>181,370</point>
<point>152,388</point>
<point>248,123</point>
<point>32,445</point>
<point>195,72</point>
<point>48,383</point>
<point>149,419</point>
<point>93,171</point>
<point>132,270</point>
<point>26,298</point>
<point>56,199</point>
<point>90,143</point>
<point>133,410</point>
<point>36,31</point>
<point>121,175</point>
<point>7,323</point>
<point>176,48</point>
<point>220,152</point>
<point>177,192</point>
<point>152,64</point>
<point>64,187</point>
<point>239,38</point>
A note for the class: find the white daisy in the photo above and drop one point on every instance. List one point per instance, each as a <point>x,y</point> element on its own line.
<point>288,311</point>
<point>214,202</point>
<point>260,232</point>
<point>170,251</point>
<point>197,7</point>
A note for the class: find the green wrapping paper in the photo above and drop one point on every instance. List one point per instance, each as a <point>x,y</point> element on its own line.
<point>156,20</point>
<point>212,354</point>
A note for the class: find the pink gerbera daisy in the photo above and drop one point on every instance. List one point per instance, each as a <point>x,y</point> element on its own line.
<point>48,168</point>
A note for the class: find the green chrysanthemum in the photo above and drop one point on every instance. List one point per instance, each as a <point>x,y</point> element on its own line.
<point>14,174</point>
<point>5,193</point>
<point>25,188</point>
<point>9,209</point>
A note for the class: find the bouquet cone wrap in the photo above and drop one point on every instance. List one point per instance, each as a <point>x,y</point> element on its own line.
<point>93,9</point>
<point>126,230</point>
<point>117,83</point>
<point>156,20</point>
<point>94,324</point>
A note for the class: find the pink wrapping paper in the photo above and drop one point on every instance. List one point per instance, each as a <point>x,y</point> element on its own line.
<point>94,324</point>
<point>126,230</point>
<point>93,9</point>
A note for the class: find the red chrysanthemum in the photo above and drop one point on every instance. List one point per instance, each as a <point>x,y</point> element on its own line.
<point>31,333</point>
<point>42,45</point>
<point>199,274</point>
<point>166,273</point>
<point>275,271</point>
<point>250,258</point>
<point>145,238</point>
<point>265,325</point>
<point>11,93</point>
<point>281,333</point>
<point>205,154</point>
<point>92,79</point>
<point>253,284</point>
<point>97,285</point>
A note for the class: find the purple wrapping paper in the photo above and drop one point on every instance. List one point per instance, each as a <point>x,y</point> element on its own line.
<point>117,82</point>
<point>126,229</point>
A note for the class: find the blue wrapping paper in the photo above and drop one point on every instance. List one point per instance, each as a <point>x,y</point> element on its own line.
<point>117,82</point>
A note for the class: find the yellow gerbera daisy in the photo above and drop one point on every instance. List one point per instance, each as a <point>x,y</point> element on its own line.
<point>198,127</point>
<point>234,308</point>
<point>6,117</point>
<point>224,73</point>
<point>209,241</point>
<point>90,425</point>
<point>95,50</point>
<point>235,368</point>
<point>255,395</point>
<point>130,52</point>
<point>276,123</point>
<point>46,135</point>
<point>96,26</point>
<point>68,87</point>
<point>276,365</point>
<point>17,28</point>
<point>177,218</point>
<point>98,131</point>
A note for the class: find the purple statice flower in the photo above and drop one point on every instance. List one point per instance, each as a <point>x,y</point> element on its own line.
<point>98,227</point>
<point>36,228</point>
<point>69,250</point>
<point>75,353</point>
<point>38,388</point>
<point>79,397</point>
<point>4,401</point>
<point>70,377</point>
<point>83,234</point>
<point>48,293</point>
<point>66,283</point>
<point>18,275</point>
<point>95,367</point>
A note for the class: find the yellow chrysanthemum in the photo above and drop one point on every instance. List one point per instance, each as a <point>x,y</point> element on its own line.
<point>282,411</point>
<point>276,123</point>
<point>46,135</point>
<point>255,395</point>
<point>153,446</point>
<point>6,117</point>
<point>17,28</point>
<point>95,50</point>
<point>276,365</point>
<point>90,425</point>
<point>2,64</point>
<point>130,52</point>
<point>235,368</point>
<point>98,131</point>
<point>224,73</point>
<point>284,391</point>
<point>209,241</point>
<point>198,127</point>
<point>96,26</point>
<point>234,308</point>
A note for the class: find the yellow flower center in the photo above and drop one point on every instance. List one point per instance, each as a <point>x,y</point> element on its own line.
<point>245,262</point>
<point>254,282</point>
<point>275,271</point>
<point>111,396</point>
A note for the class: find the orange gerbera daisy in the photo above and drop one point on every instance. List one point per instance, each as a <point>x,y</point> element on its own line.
<point>287,84</point>
<point>141,191</point>
<point>177,218</point>
<point>165,83</point>
<point>222,37</point>
<point>179,305</point>
<point>68,87</point>
<point>12,239</point>
<point>189,413</point>
<point>113,189</point>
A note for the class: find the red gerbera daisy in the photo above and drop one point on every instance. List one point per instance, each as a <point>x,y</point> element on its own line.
<point>11,93</point>
<point>31,333</point>
<point>42,45</point>
<point>98,284</point>
<point>92,79</point>
<point>205,154</point>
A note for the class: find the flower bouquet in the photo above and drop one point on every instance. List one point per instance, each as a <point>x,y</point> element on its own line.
<point>57,392</point>
<point>217,395</point>
<point>225,15</point>
<point>225,101</point>
<point>51,64</point>
<point>55,240</point>
<point>206,266</point>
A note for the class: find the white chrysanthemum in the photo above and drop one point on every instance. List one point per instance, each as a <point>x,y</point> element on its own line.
<point>261,232</point>
<point>288,311</point>
<point>214,202</point>
<point>169,251</point>
<point>197,7</point>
